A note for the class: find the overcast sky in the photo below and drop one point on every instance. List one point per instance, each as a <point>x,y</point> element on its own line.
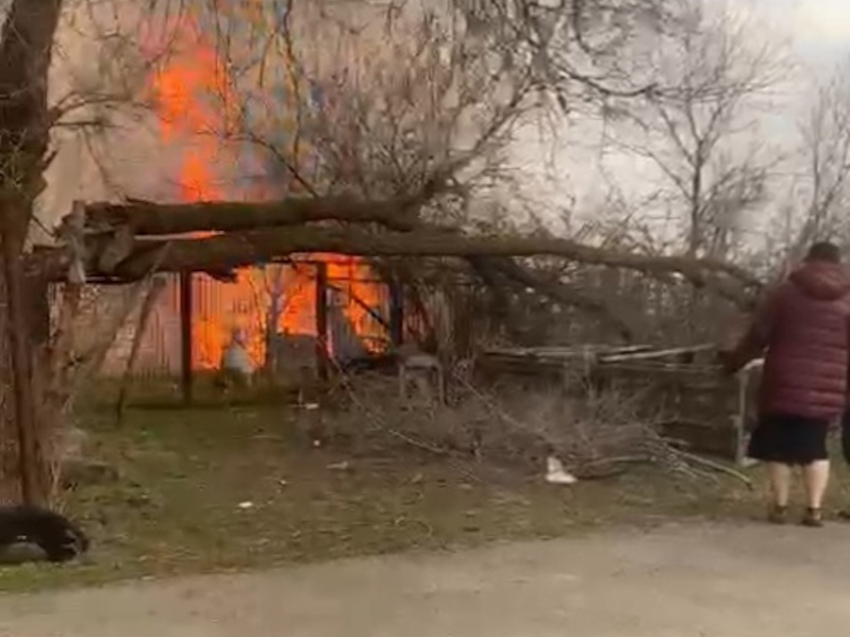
<point>820,28</point>
<point>818,35</point>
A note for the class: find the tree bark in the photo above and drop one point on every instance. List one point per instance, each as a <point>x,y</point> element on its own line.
<point>25,53</point>
<point>164,219</point>
<point>10,472</point>
<point>150,219</point>
<point>400,215</point>
<point>146,219</point>
<point>267,244</point>
<point>34,482</point>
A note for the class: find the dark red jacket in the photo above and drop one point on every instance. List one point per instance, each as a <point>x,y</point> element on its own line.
<point>805,325</point>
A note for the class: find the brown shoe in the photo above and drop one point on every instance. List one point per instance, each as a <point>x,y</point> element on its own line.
<point>777,514</point>
<point>844,515</point>
<point>813,518</point>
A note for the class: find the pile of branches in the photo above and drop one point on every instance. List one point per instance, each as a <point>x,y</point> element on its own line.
<point>597,435</point>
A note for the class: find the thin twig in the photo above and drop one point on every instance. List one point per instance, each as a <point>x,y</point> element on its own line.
<point>378,421</point>
<point>716,466</point>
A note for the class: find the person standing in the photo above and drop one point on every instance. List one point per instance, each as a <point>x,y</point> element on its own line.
<point>804,326</point>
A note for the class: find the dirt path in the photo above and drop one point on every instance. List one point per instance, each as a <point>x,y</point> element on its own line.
<point>676,582</point>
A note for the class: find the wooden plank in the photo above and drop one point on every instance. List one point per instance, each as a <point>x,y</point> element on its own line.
<point>654,354</point>
<point>561,352</point>
<point>322,350</point>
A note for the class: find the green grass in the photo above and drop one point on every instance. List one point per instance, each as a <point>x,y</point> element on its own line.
<point>176,508</point>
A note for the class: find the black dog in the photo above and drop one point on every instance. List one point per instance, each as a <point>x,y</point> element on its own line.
<point>59,538</point>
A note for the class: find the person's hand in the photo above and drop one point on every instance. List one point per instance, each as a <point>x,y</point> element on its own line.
<point>725,359</point>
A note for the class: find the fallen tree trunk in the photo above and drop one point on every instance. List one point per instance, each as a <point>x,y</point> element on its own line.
<point>146,218</point>
<point>152,219</point>
<point>118,224</point>
<point>263,245</point>
<point>399,214</point>
<point>267,244</point>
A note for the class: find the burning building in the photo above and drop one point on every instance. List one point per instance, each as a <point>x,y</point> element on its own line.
<point>276,305</point>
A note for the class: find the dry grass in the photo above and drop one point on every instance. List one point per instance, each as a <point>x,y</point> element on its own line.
<point>185,473</point>
<point>176,508</point>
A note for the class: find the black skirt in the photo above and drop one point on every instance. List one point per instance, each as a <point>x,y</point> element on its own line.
<point>792,440</point>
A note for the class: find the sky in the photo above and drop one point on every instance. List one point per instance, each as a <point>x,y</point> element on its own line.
<point>820,28</point>
<point>817,33</point>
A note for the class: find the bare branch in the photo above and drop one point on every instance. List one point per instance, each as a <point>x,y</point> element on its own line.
<point>713,76</point>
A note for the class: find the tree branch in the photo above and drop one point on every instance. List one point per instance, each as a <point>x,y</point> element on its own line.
<point>267,244</point>
<point>148,218</point>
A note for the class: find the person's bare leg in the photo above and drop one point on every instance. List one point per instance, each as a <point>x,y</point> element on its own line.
<point>780,483</point>
<point>815,480</point>
<point>779,476</point>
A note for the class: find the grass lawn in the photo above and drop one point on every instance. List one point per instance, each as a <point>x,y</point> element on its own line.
<point>180,505</point>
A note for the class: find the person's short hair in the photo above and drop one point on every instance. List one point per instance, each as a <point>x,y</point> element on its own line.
<point>824,251</point>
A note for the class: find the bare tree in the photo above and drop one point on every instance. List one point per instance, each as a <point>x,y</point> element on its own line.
<point>405,97</point>
<point>35,105</point>
<point>813,203</point>
<point>714,74</point>
<point>411,101</point>
<point>581,52</point>
<point>822,188</point>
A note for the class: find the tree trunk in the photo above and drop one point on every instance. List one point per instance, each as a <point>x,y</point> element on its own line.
<point>264,244</point>
<point>227,216</point>
<point>24,461</point>
<point>34,482</point>
<point>25,53</point>
<point>10,471</point>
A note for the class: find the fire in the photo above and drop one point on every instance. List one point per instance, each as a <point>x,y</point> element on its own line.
<point>193,98</point>
<point>190,89</point>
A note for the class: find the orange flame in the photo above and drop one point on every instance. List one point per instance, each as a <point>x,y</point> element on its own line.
<point>193,98</point>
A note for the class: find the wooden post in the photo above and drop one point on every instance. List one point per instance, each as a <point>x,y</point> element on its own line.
<point>322,354</point>
<point>396,313</point>
<point>186,336</point>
